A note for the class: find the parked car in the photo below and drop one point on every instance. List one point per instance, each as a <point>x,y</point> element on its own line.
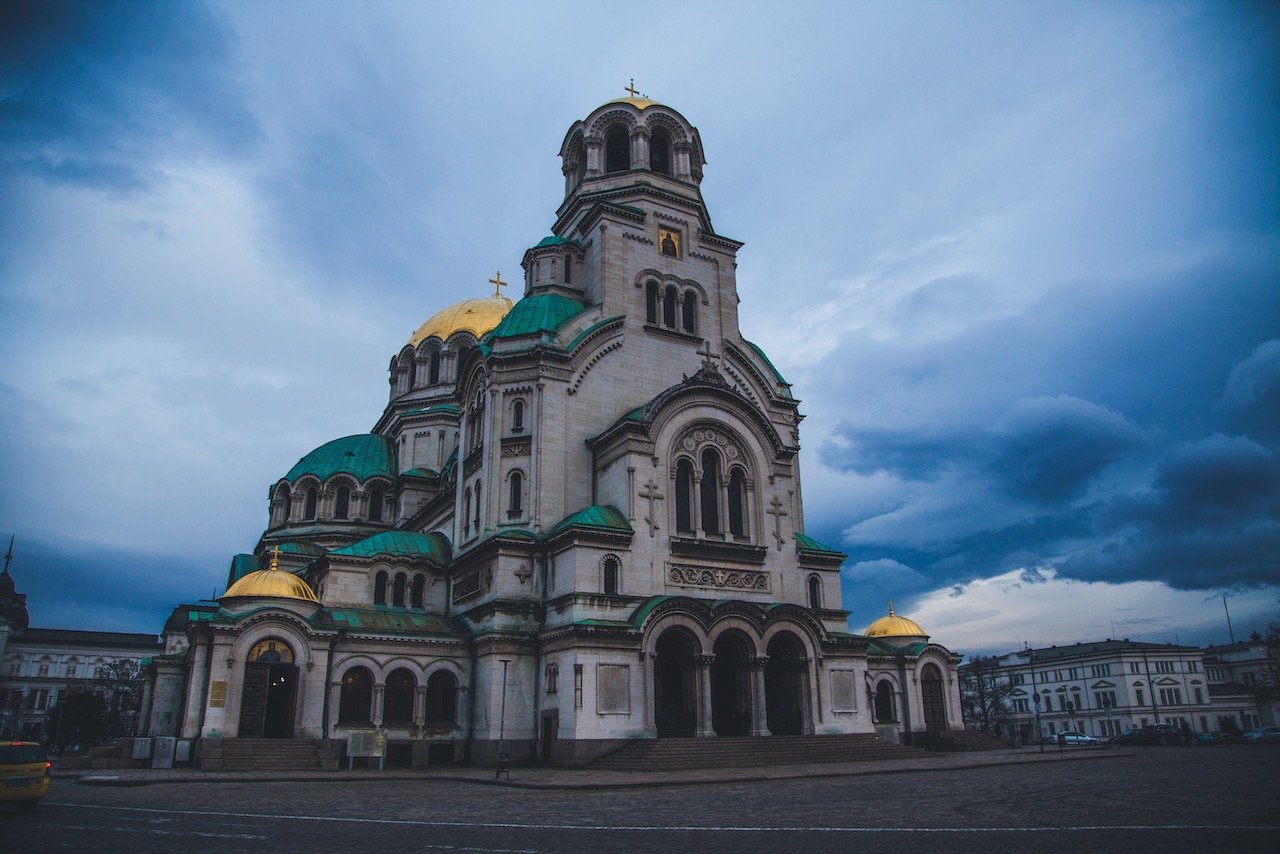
<point>24,773</point>
<point>1073,737</point>
<point>1225,737</point>
<point>1262,735</point>
<point>1151,734</point>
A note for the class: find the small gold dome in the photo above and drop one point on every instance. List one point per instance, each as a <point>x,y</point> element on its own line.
<point>638,103</point>
<point>476,316</point>
<point>273,582</point>
<point>894,626</point>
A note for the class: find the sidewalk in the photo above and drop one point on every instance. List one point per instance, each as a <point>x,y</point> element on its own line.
<point>578,778</point>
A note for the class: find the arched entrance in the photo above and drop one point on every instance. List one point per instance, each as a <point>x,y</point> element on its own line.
<point>675,694</point>
<point>784,685</point>
<point>933,699</point>
<point>731,685</point>
<point>886,711</point>
<point>270,688</point>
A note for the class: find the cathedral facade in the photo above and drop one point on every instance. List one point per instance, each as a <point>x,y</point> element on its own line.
<point>577,522</point>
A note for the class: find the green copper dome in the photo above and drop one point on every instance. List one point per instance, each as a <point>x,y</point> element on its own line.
<point>362,456</point>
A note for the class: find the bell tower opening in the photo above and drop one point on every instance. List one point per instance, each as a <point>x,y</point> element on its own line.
<point>617,150</point>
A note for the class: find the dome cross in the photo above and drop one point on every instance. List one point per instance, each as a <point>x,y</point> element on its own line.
<point>498,285</point>
<point>632,88</point>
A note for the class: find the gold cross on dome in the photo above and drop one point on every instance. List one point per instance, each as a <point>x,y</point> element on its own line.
<point>632,88</point>
<point>890,607</point>
<point>498,285</point>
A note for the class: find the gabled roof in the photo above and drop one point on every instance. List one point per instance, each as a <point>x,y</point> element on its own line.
<point>383,621</point>
<point>362,456</point>
<point>434,546</point>
<point>806,544</point>
<point>597,517</point>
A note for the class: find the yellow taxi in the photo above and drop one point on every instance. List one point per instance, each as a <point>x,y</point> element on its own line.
<point>24,773</point>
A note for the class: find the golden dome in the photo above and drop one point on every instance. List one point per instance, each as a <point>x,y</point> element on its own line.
<point>894,626</point>
<point>273,582</point>
<point>638,103</point>
<point>476,316</point>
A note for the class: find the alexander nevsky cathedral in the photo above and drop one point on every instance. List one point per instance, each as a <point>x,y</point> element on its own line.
<point>576,525</point>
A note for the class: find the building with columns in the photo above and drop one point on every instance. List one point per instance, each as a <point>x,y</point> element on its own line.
<point>577,522</point>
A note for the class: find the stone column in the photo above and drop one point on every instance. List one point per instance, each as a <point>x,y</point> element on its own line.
<point>760,714</point>
<point>379,689</point>
<point>595,151</point>
<point>640,148</point>
<point>704,727</point>
<point>648,667</point>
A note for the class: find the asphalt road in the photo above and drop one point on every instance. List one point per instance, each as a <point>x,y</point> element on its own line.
<point>1205,799</point>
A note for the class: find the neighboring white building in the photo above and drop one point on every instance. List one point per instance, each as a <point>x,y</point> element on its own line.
<point>584,509</point>
<point>1243,683</point>
<point>1103,687</point>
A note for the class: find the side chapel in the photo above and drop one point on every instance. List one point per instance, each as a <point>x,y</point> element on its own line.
<point>578,521</point>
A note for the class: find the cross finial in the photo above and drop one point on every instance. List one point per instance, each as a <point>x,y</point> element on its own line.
<point>8,556</point>
<point>632,88</point>
<point>498,285</point>
<point>275,558</point>
<point>890,607</point>
<point>708,358</point>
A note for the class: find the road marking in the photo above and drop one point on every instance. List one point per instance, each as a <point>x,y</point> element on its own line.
<point>658,828</point>
<point>158,832</point>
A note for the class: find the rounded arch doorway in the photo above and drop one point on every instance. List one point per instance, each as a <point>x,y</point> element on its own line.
<point>731,685</point>
<point>675,694</point>
<point>267,700</point>
<point>933,698</point>
<point>784,685</point>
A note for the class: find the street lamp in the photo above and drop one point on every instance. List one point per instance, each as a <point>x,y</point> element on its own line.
<point>1035,698</point>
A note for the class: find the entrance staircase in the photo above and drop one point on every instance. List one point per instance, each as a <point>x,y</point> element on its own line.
<point>663,754</point>
<point>265,754</point>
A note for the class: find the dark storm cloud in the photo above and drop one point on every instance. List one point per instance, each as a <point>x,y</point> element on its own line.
<point>1044,449</point>
<point>100,94</point>
<point>72,584</point>
<point>1212,517</point>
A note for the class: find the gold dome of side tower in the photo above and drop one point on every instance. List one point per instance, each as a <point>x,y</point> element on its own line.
<point>272,583</point>
<point>895,626</point>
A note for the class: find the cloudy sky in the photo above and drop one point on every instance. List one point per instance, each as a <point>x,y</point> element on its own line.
<point>1021,262</point>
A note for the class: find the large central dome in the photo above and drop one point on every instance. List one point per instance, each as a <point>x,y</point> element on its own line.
<point>477,316</point>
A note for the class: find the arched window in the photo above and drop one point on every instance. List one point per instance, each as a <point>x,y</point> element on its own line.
<point>397,701</point>
<point>376,499</point>
<point>710,506</point>
<point>442,698</point>
<point>477,517</point>
<point>516,502</point>
<point>433,367</point>
<point>689,312</point>
<point>397,593</point>
<point>684,496</point>
<point>418,594</point>
<point>342,503</point>
<point>617,149</point>
<point>651,301</point>
<point>286,498</point>
<point>737,503</point>
<point>517,416</point>
<point>380,588</point>
<point>815,592</point>
<point>466,510</point>
<point>612,567</point>
<point>355,703</point>
<point>660,151</point>
<point>568,269</point>
<point>309,505</point>
<point>669,300</point>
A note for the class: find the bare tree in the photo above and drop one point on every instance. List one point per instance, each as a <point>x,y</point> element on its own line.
<point>119,683</point>
<point>984,692</point>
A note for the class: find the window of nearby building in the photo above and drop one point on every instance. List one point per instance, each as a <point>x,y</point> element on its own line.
<point>1199,696</point>
<point>44,670</point>
<point>1017,679</point>
<point>1138,693</point>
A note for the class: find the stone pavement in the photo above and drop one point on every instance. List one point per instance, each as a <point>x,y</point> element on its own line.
<point>539,777</point>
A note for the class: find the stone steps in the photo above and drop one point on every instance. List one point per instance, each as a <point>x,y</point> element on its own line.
<point>268,754</point>
<point>685,753</point>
